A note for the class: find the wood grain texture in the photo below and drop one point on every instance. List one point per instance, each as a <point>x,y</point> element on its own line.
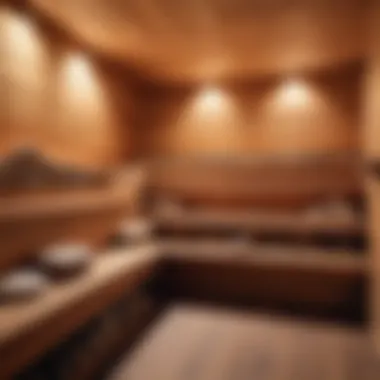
<point>371,132</point>
<point>314,114</point>
<point>28,329</point>
<point>321,283</point>
<point>259,182</point>
<point>374,236</point>
<point>57,99</point>
<point>27,170</point>
<point>212,40</point>
<point>191,342</point>
<point>30,221</point>
<point>325,283</point>
<point>292,224</point>
<point>301,258</point>
<point>371,135</point>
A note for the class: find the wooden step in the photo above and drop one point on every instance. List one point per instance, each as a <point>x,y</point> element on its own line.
<point>265,255</point>
<point>295,224</point>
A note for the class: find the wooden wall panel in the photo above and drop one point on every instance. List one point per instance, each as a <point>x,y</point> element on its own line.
<point>241,283</point>
<point>295,182</point>
<point>58,99</point>
<point>372,150</point>
<point>28,224</point>
<point>294,116</point>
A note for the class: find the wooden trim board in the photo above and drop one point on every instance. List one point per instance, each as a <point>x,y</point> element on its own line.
<point>294,224</point>
<point>265,255</point>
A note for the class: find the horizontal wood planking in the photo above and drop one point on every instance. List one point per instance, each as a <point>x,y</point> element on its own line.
<point>28,222</point>
<point>292,182</point>
<point>325,283</point>
<point>29,329</point>
<point>296,224</point>
<point>207,343</point>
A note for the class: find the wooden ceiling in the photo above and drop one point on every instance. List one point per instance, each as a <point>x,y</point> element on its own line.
<point>192,40</point>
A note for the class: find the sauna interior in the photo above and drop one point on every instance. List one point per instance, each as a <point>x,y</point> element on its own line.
<point>190,190</point>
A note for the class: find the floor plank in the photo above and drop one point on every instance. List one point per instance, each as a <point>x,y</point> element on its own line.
<point>190,342</point>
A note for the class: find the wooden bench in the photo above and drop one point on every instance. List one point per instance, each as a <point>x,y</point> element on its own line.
<point>307,279</point>
<point>29,329</point>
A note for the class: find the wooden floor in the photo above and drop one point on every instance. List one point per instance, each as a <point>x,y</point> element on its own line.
<point>190,342</point>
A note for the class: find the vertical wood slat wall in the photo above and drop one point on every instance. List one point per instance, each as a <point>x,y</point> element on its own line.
<point>372,153</point>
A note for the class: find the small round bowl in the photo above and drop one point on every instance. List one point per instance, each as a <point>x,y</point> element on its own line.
<point>66,259</point>
<point>22,284</point>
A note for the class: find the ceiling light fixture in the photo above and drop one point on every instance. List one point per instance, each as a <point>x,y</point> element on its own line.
<point>294,92</point>
<point>211,97</point>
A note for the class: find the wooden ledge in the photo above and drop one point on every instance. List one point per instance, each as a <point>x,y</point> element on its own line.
<point>30,328</point>
<point>265,256</point>
<point>189,221</point>
<point>29,223</point>
<point>61,205</point>
<point>322,282</point>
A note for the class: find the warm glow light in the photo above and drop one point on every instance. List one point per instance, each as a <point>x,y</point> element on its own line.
<point>80,85</point>
<point>82,96</point>
<point>205,117</point>
<point>294,93</point>
<point>20,31</point>
<point>23,52</point>
<point>210,98</point>
<point>78,76</point>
